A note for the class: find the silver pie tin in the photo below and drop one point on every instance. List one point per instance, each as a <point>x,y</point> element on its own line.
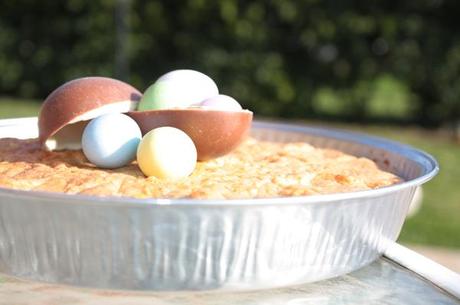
<point>184,244</point>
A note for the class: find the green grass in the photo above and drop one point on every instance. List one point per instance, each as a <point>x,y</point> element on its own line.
<point>13,108</point>
<point>437,222</point>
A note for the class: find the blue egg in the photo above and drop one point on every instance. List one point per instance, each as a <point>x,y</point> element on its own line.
<point>111,140</point>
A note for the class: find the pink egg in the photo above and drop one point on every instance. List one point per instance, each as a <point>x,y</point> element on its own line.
<point>221,102</point>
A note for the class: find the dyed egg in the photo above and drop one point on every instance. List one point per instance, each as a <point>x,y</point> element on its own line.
<point>221,102</point>
<point>167,152</point>
<point>178,89</point>
<point>111,140</point>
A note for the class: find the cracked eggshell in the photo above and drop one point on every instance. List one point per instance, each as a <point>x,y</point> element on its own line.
<point>214,132</point>
<point>67,110</point>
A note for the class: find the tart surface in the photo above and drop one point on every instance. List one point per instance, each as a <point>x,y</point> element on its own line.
<point>255,169</point>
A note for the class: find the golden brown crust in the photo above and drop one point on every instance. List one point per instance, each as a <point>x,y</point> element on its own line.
<point>255,170</point>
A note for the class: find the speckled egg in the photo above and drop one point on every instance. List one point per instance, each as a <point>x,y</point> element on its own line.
<point>221,102</point>
<point>178,89</point>
<point>167,152</point>
<point>111,140</point>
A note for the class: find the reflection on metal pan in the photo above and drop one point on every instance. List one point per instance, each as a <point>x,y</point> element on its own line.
<point>163,244</point>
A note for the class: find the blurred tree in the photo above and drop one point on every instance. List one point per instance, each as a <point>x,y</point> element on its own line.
<point>50,42</point>
<point>351,59</point>
<point>122,39</point>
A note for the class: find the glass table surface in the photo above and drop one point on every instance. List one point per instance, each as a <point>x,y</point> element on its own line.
<point>382,282</point>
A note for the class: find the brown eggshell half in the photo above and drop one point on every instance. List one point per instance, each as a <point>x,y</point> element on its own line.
<point>66,111</point>
<point>215,133</point>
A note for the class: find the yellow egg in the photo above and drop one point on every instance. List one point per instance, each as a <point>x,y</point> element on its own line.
<point>167,152</point>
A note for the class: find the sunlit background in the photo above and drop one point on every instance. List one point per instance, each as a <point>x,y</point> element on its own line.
<point>383,67</point>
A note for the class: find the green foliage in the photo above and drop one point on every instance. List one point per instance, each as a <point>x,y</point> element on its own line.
<point>53,41</point>
<point>347,59</point>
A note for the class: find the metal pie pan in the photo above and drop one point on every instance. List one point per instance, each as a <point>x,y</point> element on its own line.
<point>184,245</point>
